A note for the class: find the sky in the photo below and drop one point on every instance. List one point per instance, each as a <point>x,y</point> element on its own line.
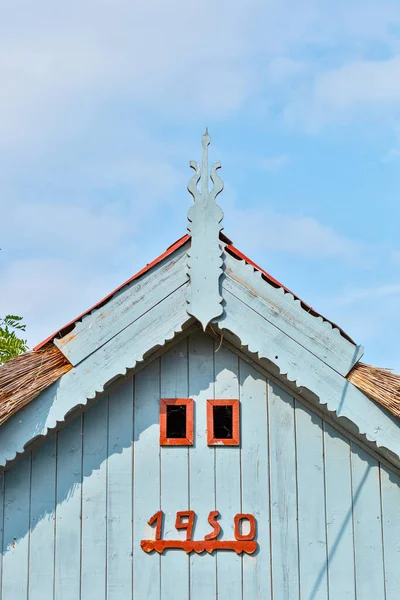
<point>103,104</point>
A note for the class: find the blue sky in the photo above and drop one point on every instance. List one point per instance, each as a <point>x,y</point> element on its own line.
<point>102,105</point>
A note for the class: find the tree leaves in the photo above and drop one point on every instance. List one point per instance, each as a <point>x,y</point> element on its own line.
<point>10,344</point>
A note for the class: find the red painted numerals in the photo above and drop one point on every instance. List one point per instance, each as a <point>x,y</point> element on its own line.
<point>158,519</point>
<point>243,542</point>
<point>252,533</point>
<point>212,519</point>
<point>188,525</point>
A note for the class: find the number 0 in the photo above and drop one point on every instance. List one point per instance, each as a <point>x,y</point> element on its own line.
<point>252,533</point>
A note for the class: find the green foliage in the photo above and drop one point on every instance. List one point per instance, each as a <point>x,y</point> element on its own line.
<point>10,344</point>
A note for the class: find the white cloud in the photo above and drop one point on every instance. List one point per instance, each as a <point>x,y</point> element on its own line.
<point>183,60</point>
<point>359,84</point>
<point>267,229</point>
<point>89,88</point>
<point>282,69</point>
<point>274,163</point>
<point>370,316</point>
<point>49,292</point>
<point>59,68</point>
<point>362,294</point>
<point>358,89</point>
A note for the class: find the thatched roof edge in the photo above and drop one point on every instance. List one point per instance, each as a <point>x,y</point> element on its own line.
<point>24,377</point>
<point>381,385</point>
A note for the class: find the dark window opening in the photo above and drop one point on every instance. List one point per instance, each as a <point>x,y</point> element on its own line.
<point>223,422</point>
<point>176,421</point>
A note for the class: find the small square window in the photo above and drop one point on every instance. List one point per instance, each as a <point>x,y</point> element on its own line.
<point>223,428</point>
<point>176,422</point>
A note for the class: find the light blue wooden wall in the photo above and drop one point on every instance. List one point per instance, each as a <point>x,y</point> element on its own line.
<point>74,510</point>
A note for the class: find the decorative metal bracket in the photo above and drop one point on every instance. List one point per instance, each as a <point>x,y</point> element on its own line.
<point>205,254</point>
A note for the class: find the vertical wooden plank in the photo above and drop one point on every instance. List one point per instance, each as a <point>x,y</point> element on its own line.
<point>94,501</point>
<point>120,501</point>
<point>42,521</point>
<point>367,526</point>
<point>146,471</point>
<point>390,489</point>
<point>201,464</point>
<point>284,538</point>
<point>339,515</point>
<point>68,512</point>
<point>2,477</point>
<point>228,480</point>
<point>311,504</point>
<point>255,479</point>
<point>174,479</point>
<point>16,530</point>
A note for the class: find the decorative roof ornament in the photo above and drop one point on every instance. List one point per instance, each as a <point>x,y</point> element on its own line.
<point>205,254</point>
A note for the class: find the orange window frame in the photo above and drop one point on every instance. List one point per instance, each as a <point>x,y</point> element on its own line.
<point>235,439</point>
<point>186,441</point>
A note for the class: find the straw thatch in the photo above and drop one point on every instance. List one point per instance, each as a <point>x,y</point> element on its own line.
<point>380,385</point>
<point>24,377</point>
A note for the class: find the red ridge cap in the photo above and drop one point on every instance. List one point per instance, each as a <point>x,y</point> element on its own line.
<point>178,244</point>
<point>170,250</point>
<point>248,260</point>
<point>235,252</point>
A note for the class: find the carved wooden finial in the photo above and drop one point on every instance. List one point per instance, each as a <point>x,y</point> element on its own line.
<point>205,254</point>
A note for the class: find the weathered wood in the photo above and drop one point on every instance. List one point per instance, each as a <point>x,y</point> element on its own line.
<point>68,549</point>
<point>90,377</point>
<point>120,491</point>
<point>94,501</point>
<point>1,528</point>
<point>147,480</point>
<point>368,550</point>
<point>300,366</point>
<point>390,487</point>
<point>205,253</point>
<point>285,448</point>
<point>255,476</point>
<point>285,312</point>
<point>339,515</point>
<point>174,469</point>
<point>128,348</point>
<point>42,521</point>
<point>283,503</point>
<point>16,532</point>
<point>126,307</point>
<point>202,463</point>
<point>227,480</point>
<point>311,505</point>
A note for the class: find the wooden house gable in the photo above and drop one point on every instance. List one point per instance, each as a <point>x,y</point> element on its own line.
<point>204,441</point>
<point>266,320</point>
<point>76,508</point>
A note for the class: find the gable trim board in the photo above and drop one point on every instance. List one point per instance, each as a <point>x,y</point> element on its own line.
<point>300,366</point>
<point>128,305</point>
<point>269,321</point>
<point>305,397</point>
<point>89,378</point>
<point>282,309</point>
<point>69,326</point>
